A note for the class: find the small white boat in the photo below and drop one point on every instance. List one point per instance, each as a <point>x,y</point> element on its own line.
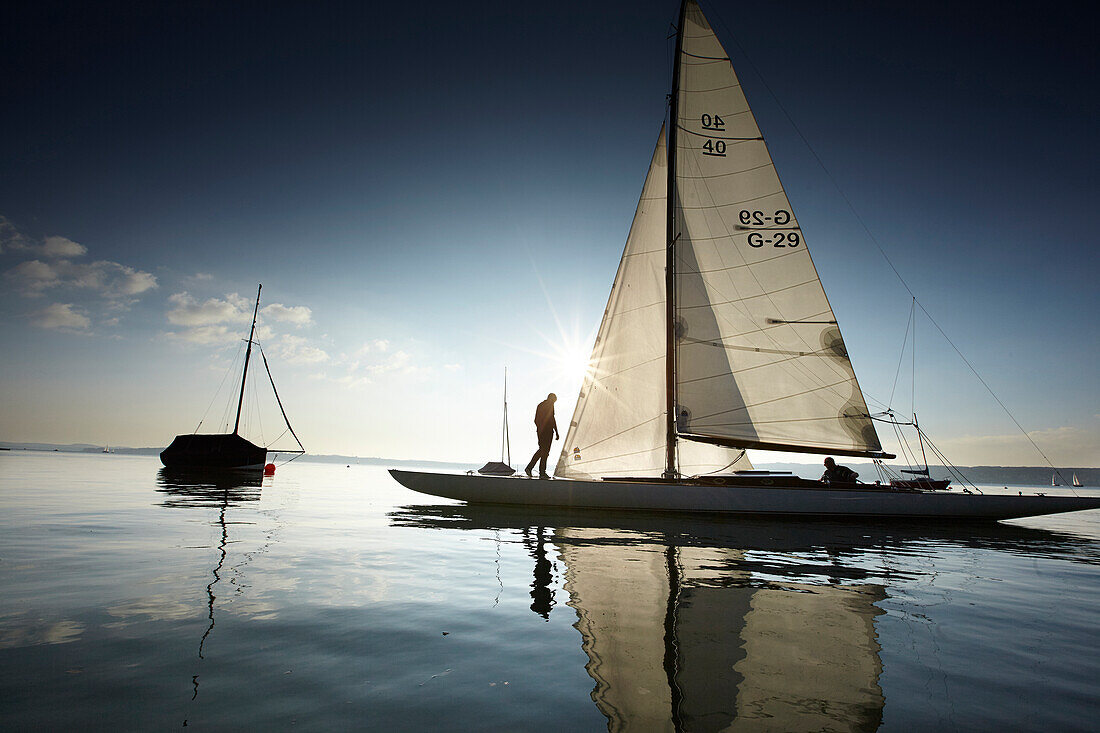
<point>1076,481</point>
<point>502,467</point>
<point>718,337</point>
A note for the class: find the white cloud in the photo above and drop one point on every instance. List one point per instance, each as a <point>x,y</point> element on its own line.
<point>225,321</point>
<point>299,315</point>
<point>52,267</point>
<point>61,247</point>
<point>109,280</point>
<point>34,276</point>
<point>10,238</point>
<point>452,367</point>
<point>187,311</point>
<point>61,316</point>
<point>210,334</point>
<point>295,350</point>
<point>375,346</point>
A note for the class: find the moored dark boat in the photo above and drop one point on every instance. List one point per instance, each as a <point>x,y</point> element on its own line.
<point>225,451</point>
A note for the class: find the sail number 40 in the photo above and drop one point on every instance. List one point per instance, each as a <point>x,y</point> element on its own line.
<point>716,148</point>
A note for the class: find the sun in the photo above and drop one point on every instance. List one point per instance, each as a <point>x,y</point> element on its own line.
<point>575,363</point>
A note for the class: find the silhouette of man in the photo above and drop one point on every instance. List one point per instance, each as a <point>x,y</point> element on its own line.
<point>835,474</point>
<point>547,430</point>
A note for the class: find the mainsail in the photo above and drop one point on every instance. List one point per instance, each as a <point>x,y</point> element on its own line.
<point>760,361</point>
<point>618,427</point>
<point>757,357</point>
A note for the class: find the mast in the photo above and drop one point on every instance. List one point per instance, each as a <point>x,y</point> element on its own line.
<point>247,355</point>
<point>670,257</point>
<point>506,439</point>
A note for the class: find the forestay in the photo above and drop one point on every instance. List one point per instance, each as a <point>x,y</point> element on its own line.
<point>760,359</point>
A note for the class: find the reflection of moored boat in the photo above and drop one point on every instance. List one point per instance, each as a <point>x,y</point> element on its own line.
<point>226,450</point>
<point>205,488</point>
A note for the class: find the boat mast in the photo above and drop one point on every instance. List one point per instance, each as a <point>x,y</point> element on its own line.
<point>670,258</point>
<point>507,440</point>
<point>247,355</point>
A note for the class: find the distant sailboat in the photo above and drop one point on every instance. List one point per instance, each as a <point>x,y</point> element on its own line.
<point>1076,481</point>
<point>1054,480</point>
<point>226,450</point>
<point>502,468</point>
<point>718,337</point>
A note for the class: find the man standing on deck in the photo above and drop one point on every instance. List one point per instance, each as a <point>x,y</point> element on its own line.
<point>547,430</point>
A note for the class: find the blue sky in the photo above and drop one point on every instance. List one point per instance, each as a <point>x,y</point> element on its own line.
<point>429,193</point>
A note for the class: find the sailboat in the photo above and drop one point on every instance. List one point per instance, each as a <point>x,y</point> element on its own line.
<point>1054,480</point>
<point>227,450</point>
<point>1076,481</point>
<point>501,468</point>
<point>718,337</point>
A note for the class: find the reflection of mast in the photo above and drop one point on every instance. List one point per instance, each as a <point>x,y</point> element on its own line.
<point>201,489</point>
<point>685,639</point>
<point>210,587</point>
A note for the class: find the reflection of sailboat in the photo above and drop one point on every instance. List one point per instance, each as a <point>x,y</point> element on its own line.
<point>718,337</point>
<point>678,638</point>
<point>227,450</point>
<point>691,624</point>
<point>502,468</point>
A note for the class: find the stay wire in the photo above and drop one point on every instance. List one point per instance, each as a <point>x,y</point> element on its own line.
<point>225,376</point>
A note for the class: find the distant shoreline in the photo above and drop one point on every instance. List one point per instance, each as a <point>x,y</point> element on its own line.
<point>1003,475</point>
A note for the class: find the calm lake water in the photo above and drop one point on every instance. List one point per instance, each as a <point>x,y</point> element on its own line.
<point>329,597</point>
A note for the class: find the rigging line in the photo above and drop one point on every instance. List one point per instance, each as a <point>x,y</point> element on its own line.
<point>901,356</point>
<point>723,468</point>
<point>225,376</point>
<point>279,401</point>
<point>989,389</point>
<point>953,469</point>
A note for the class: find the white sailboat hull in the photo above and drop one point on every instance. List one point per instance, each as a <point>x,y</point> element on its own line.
<point>850,501</point>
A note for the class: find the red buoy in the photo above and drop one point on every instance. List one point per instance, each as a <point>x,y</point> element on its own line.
<point>269,469</point>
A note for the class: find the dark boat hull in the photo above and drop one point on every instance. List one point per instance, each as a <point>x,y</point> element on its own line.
<point>921,483</point>
<point>222,452</point>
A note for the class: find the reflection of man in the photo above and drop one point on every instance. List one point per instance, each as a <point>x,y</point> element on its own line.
<point>547,430</point>
<point>835,474</point>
